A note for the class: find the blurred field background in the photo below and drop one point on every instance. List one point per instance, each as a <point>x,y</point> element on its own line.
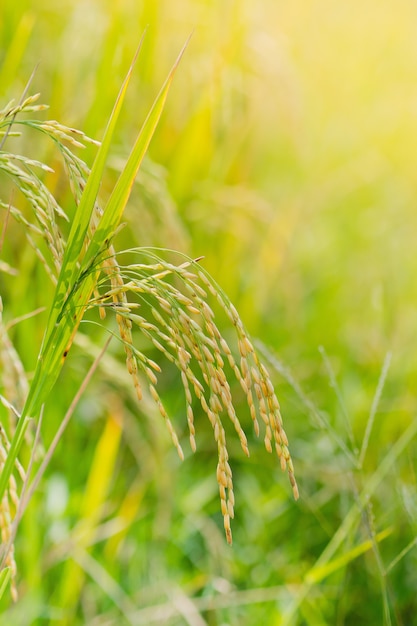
<point>285,157</point>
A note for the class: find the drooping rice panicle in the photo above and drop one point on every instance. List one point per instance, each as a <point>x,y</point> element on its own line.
<point>185,332</point>
<point>43,203</point>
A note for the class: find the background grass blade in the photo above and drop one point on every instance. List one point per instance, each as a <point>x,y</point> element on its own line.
<point>318,573</point>
<point>120,194</point>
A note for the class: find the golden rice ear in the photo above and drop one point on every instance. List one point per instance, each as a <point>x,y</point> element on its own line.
<point>184,330</point>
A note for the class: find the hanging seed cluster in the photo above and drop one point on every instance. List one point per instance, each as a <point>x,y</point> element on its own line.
<point>23,172</point>
<point>184,330</point>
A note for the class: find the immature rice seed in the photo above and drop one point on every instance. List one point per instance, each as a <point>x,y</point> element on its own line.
<point>225,347</point>
<point>132,367</point>
<point>221,476</point>
<point>215,403</point>
<point>258,391</point>
<point>193,309</point>
<point>151,376</point>
<point>284,438</point>
<point>294,485</point>
<point>227,529</point>
<point>244,366</point>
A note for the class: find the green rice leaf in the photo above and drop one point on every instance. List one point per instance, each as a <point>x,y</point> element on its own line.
<point>120,194</point>
<point>79,271</point>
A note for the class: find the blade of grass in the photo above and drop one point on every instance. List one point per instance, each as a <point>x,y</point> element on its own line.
<point>334,385</point>
<point>81,221</point>
<point>120,194</point>
<point>14,52</point>
<point>374,407</point>
<point>13,451</point>
<point>401,555</point>
<point>101,472</point>
<point>318,573</point>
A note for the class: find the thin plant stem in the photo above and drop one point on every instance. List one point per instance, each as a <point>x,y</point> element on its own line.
<point>22,98</point>
<point>374,407</point>
<point>334,385</point>
<point>401,555</point>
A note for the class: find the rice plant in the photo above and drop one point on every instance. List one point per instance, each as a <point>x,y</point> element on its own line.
<point>156,294</point>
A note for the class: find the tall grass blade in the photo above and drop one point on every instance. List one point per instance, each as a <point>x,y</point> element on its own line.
<point>318,573</point>
<point>13,54</point>
<point>374,407</point>
<point>334,385</point>
<point>401,555</point>
<point>120,194</point>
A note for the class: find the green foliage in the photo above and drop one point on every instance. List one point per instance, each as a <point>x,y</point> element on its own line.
<point>286,159</point>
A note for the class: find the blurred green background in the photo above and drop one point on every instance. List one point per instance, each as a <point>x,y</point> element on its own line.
<point>285,157</point>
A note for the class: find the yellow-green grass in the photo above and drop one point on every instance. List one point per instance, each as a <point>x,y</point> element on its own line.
<point>288,162</point>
